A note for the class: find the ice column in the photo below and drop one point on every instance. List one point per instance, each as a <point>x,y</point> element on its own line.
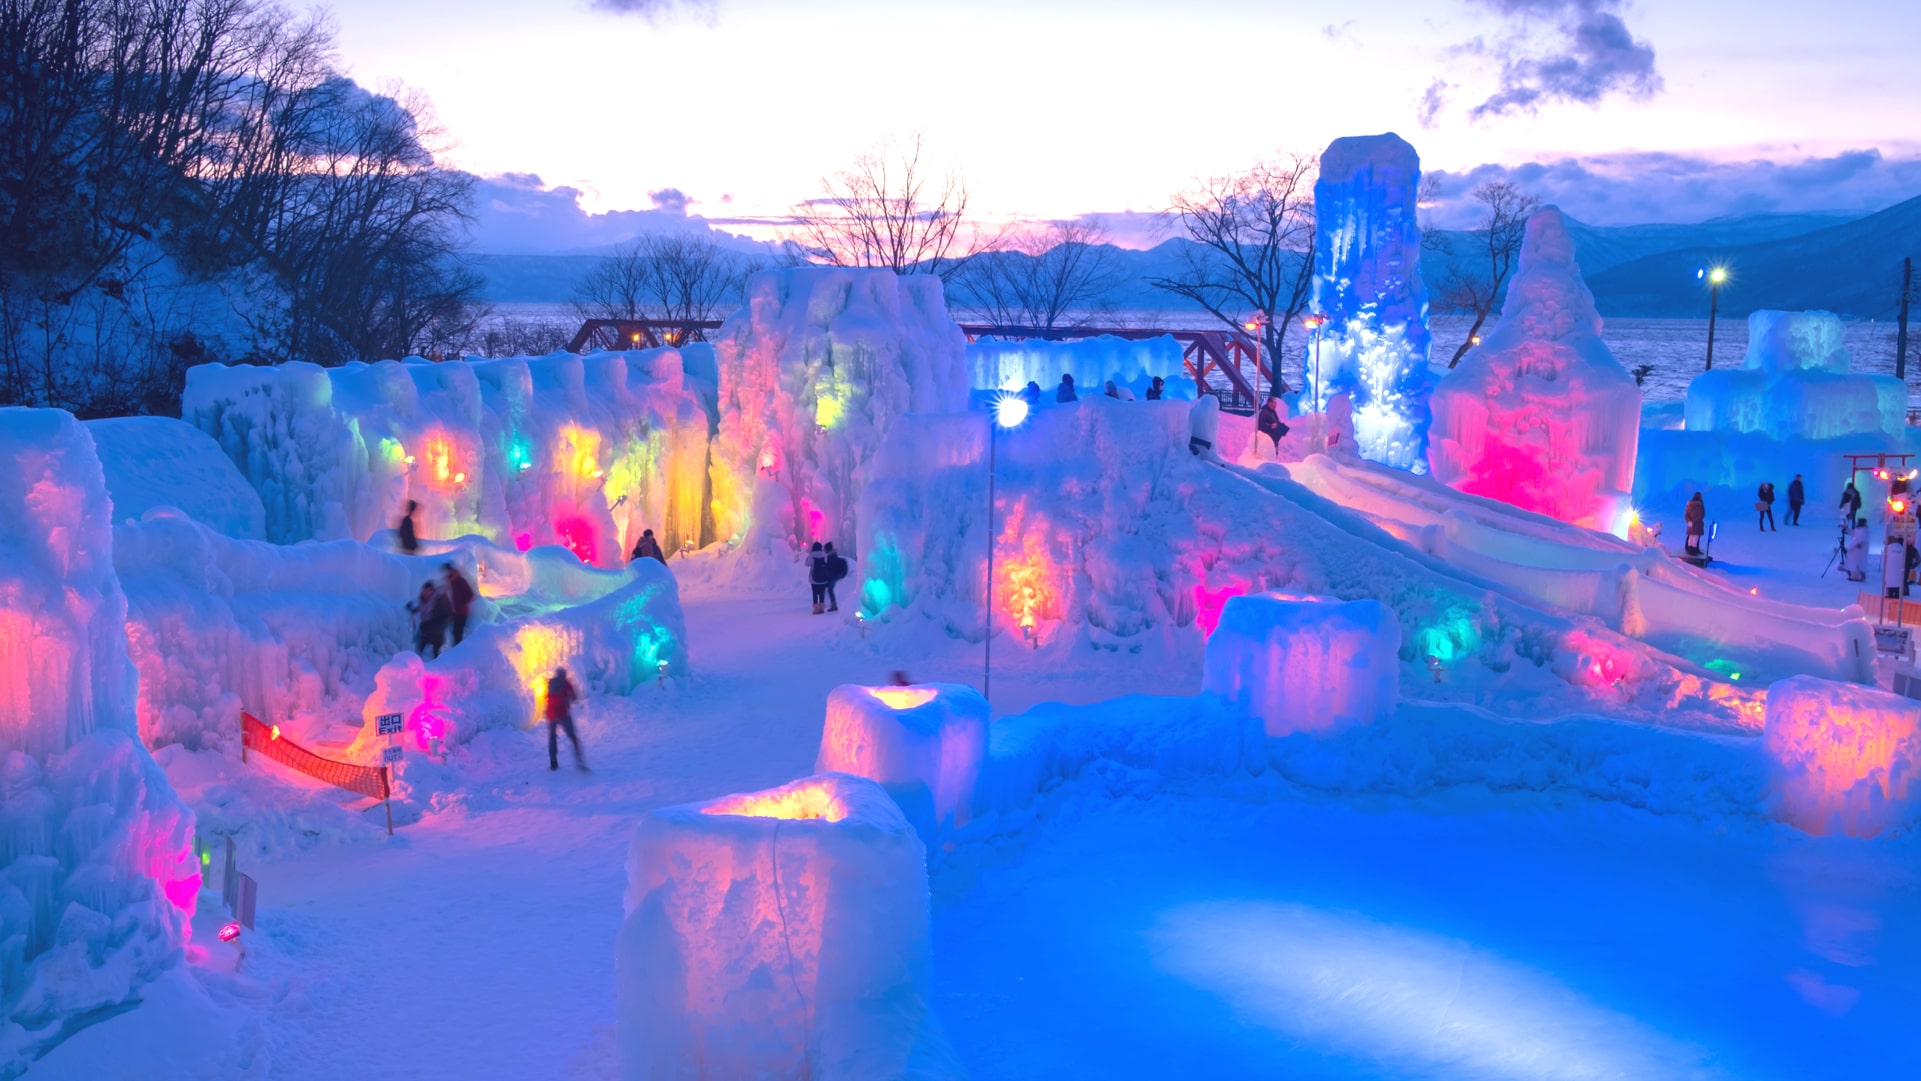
<point>1540,414</point>
<point>1306,664</point>
<point>924,744</point>
<point>1367,281</point>
<point>97,875</point>
<point>779,934</point>
<point>1846,757</point>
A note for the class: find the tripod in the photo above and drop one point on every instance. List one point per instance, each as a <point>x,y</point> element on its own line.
<point>1840,551</point>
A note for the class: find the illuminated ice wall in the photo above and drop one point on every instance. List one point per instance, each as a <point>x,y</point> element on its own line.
<point>1367,281</point>
<point>814,372</point>
<point>97,874</point>
<point>580,451</point>
<point>1540,414</point>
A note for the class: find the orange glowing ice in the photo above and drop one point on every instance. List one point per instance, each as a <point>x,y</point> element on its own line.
<point>794,803</point>
<point>903,697</point>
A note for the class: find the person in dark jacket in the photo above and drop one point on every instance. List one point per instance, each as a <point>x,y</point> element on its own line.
<point>1851,501</point>
<point>1156,389</point>
<point>409,540</point>
<point>1065,392</point>
<point>817,576</point>
<point>1269,423</point>
<point>460,599</point>
<point>1031,394</point>
<point>436,609</point>
<point>647,548</point>
<point>1914,563</point>
<point>417,613</point>
<point>1764,506</point>
<point>561,697</point>
<point>1697,519</point>
<point>836,570</point>
<point>1797,495</point>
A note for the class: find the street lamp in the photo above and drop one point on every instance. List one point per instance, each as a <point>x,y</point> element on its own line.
<point>1714,277</point>
<point>1009,411</point>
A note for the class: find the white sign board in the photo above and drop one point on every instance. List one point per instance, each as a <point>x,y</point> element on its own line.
<point>389,724</point>
<point>1896,640</point>
<point>390,755</point>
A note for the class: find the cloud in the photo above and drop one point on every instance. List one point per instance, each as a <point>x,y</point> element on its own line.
<point>517,213</point>
<point>1641,187</point>
<point>653,10</point>
<point>1578,51</point>
<point>1433,102</point>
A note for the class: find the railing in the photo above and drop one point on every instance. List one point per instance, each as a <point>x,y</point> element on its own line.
<point>640,333</point>
<point>265,739</point>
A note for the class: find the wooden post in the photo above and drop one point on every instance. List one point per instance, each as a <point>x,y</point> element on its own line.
<point>387,800</point>
<point>1901,336</point>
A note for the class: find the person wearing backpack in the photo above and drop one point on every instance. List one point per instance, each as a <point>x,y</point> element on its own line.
<point>817,577</point>
<point>836,570</point>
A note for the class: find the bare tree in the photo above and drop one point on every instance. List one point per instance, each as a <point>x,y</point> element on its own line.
<point>1473,281</point>
<point>887,211</point>
<point>1043,276</point>
<point>685,277</point>
<point>1253,250</point>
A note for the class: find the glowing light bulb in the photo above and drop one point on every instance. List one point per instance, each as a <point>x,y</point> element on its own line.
<point>1718,275</point>
<point>274,732</point>
<point>229,932</point>
<point>410,459</point>
<point>460,478</point>
<point>1010,411</point>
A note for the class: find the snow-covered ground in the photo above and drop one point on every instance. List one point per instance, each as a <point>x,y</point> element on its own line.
<point>1242,929</point>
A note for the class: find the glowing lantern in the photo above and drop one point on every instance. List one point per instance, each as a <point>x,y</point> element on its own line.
<point>229,931</point>
<point>924,744</point>
<point>777,934</point>
<point>1306,664</point>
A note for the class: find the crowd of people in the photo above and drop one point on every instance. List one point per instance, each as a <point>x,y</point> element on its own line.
<point>1067,391</point>
<point>1900,555</point>
<point>442,607</point>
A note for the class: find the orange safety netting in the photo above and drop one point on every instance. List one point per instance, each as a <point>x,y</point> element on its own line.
<point>266,739</point>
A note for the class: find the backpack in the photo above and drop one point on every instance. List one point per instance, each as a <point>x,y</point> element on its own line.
<point>836,567</point>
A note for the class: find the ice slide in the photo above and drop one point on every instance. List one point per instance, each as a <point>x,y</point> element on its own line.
<point>1638,592</point>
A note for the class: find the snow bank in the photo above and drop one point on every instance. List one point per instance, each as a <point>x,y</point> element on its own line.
<point>923,744</point>
<point>1367,279</point>
<point>1540,414</point>
<point>97,873</point>
<point>780,934</point>
<point>1796,384</point>
<point>815,372</point>
<point>161,462</point>
<point>580,451</point>
<point>1306,664</point>
<point>1846,757</point>
<point>993,364</point>
<point>497,677</point>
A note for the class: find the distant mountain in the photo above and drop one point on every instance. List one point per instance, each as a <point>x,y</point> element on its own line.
<point>1851,269</point>
<point>1835,261</point>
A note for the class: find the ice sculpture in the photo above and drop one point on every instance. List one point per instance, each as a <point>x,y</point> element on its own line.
<point>1306,664</point>
<point>1131,363</point>
<point>1846,757</point>
<point>1540,414</point>
<point>814,372</point>
<point>779,934</point>
<point>923,743</point>
<point>1367,281</point>
<point>158,461</point>
<point>1795,383</point>
<point>99,879</point>
<point>581,451</point>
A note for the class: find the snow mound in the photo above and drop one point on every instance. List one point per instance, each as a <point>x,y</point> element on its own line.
<point>815,372</point>
<point>1367,280</point>
<point>1306,664</point>
<point>579,451</point>
<point>97,873</point>
<point>1540,414</point>
<point>923,744</point>
<point>780,934</point>
<point>1846,757</point>
<point>161,462</point>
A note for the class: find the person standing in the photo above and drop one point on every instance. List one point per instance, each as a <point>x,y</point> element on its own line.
<point>417,610</point>
<point>1065,392</point>
<point>409,539</point>
<point>1697,520</point>
<point>1764,506</point>
<point>1855,559</point>
<point>460,599</point>
<point>1850,501</point>
<point>817,576</point>
<point>1269,423</point>
<point>647,548</point>
<point>1031,394</point>
<point>836,570</point>
<point>561,696</point>
<point>1797,495</point>
<point>437,609</point>
<point>1156,388</point>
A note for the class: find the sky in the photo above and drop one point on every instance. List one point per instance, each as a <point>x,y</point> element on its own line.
<point>597,118</point>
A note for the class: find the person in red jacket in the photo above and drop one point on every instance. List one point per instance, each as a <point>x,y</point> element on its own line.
<point>460,594</point>
<point>561,697</point>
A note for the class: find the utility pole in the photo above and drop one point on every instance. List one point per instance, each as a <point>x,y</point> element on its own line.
<point>1901,336</point>
<point>1715,278</point>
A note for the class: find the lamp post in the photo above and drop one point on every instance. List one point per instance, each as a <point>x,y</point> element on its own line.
<point>1714,277</point>
<point>1009,411</point>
